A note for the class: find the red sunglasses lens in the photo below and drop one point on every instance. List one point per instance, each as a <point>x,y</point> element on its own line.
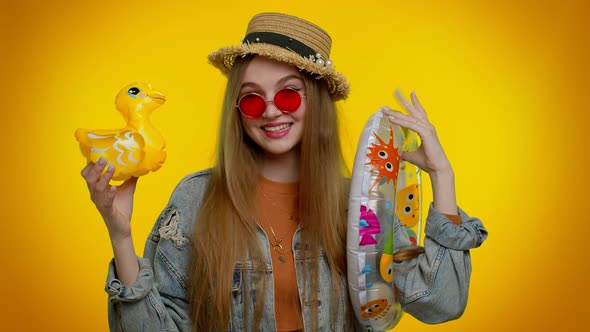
<point>287,100</point>
<point>252,105</point>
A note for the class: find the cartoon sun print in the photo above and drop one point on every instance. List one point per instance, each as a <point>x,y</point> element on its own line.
<point>384,159</point>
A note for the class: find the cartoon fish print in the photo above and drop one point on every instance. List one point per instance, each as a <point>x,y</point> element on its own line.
<point>384,159</point>
<point>408,205</point>
<point>374,309</point>
<point>386,261</point>
<point>368,225</point>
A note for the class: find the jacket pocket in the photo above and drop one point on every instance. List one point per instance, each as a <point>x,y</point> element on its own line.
<point>236,322</point>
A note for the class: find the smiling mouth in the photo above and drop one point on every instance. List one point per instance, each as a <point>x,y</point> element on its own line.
<point>274,129</point>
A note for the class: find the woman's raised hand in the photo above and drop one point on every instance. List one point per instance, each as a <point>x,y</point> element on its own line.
<point>115,204</point>
<point>430,156</point>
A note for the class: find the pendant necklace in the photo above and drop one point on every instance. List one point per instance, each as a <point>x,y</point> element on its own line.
<point>278,247</point>
<point>290,215</point>
<point>278,241</point>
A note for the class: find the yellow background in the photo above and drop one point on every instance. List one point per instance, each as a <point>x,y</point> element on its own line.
<point>504,82</point>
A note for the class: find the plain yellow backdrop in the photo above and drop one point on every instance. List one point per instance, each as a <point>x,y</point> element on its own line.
<point>504,82</point>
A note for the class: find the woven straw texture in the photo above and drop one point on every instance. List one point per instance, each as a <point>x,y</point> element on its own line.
<point>293,27</point>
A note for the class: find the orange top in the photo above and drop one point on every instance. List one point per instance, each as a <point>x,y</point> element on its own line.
<point>454,218</point>
<point>277,208</point>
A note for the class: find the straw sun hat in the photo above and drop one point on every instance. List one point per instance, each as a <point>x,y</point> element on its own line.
<point>287,39</point>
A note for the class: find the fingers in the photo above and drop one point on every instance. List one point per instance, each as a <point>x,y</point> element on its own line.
<point>402,100</point>
<point>104,180</point>
<point>418,105</point>
<point>86,169</point>
<point>94,173</point>
<point>415,157</point>
<point>414,108</point>
<point>405,120</point>
<point>98,186</point>
<point>90,173</point>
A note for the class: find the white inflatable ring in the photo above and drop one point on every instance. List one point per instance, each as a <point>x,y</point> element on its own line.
<point>383,188</point>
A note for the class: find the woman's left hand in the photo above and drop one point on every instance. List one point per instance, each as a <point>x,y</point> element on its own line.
<point>430,156</point>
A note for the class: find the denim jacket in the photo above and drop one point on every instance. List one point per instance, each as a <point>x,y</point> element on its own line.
<point>435,290</point>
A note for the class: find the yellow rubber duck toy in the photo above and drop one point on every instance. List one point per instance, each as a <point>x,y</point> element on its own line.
<point>136,149</point>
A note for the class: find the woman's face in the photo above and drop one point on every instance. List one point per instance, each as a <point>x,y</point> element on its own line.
<point>275,132</point>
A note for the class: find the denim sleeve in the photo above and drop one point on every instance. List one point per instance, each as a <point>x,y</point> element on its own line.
<point>158,300</point>
<point>155,302</point>
<point>434,286</point>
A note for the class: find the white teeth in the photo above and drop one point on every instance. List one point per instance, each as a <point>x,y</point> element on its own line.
<point>277,128</point>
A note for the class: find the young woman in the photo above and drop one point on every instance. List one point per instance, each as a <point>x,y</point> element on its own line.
<point>258,242</point>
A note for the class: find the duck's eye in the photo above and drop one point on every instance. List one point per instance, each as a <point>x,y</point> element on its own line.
<point>133,92</point>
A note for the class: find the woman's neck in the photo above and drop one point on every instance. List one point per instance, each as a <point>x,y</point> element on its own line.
<point>281,168</point>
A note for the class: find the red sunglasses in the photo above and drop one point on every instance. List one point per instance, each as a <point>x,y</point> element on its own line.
<point>253,105</point>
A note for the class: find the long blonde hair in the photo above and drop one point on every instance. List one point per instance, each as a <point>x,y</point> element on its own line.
<point>225,229</point>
